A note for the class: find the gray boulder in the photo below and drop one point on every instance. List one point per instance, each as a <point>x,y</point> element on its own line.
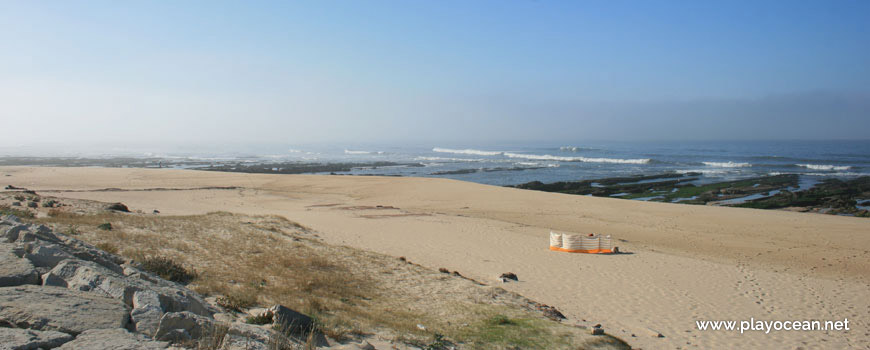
<point>15,271</point>
<point>59,309</point>
<point>147,311</point>
<point>242,336</point>
<point>28,339</point>
<point>46,249</point>
<point>88,276</point>
<point>46,255</point>
<point>10,231</point>
<point>183,326</point>
<point>112,339</point>
<point>293,322</point>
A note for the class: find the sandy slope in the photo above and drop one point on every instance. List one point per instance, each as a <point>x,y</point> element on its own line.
<point>689,263</point>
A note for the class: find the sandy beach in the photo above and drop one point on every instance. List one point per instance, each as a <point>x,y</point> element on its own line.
<point>686,263</point>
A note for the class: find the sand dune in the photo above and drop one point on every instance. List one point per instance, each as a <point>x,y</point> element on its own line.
<point>689,263</point>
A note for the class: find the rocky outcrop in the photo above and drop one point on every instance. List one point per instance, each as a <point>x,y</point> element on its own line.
<point>15,271</point>
<point>115,339</point>
<point>59,309</point>
<point>155,292</point>
<point>183,326</point>
<point>57,292</point>
<point>28,339</point>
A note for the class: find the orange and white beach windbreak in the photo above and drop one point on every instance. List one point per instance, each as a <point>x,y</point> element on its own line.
<point>593,244</point>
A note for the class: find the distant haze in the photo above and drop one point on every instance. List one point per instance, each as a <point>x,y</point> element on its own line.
<point>149,72</point>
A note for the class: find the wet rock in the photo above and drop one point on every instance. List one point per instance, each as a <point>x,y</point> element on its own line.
<point>114,339</point>
<point>28,339</point>
<point>59,309</point>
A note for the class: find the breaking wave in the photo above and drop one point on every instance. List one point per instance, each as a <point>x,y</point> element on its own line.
<point>542,156</point>
<point>824,167</point>
<point>576,159</point>
<point>467,151</point>
<point>575,149</point>
<point>728,164</point>
<point>362,152</point>
<point>443,159</point>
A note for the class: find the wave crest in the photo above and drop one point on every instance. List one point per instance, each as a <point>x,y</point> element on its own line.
<point>824,167</point>
<point>466,151</point>
<point>728,164</point>
<point>362,152</point>
<point>576,159</point>
<point>542,156</point>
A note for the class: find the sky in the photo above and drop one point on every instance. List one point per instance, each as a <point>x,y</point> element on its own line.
<point>210,72</point>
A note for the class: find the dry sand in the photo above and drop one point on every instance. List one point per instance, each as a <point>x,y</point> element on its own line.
<point>688,263</point>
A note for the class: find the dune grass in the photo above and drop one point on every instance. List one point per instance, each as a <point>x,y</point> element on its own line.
<point>249,261</point>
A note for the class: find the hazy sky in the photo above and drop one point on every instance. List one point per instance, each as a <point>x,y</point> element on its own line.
<point>383,71</point>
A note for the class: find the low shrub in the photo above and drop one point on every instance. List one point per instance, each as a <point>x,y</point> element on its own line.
<point>24,214</point>
<point>168,269</point>
<point>105,226</point>
<point>264,318</point>
<point>107,247</point>
<point>237,302</point>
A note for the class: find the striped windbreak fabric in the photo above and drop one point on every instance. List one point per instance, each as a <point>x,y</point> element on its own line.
<point>594,244</point>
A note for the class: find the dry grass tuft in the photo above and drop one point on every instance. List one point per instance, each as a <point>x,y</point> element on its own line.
<point>168,269</point>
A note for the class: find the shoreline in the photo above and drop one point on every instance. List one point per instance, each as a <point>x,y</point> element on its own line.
<point>789,192</point>
<point>689,263</point>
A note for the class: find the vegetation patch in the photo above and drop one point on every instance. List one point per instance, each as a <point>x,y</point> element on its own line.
<point>168,269</point>
<point>260,261</point>
<point>264,318</point>
<point>21,213</point>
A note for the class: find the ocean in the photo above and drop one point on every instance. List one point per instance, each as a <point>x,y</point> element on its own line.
<point>510,164</point>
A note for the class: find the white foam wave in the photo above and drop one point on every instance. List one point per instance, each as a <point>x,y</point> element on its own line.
<point>362,152</point>
<point>443,159</point>
<point>576,159</point>
<point>466,151</point>
<point>824,167</point>
<point>728,164</point>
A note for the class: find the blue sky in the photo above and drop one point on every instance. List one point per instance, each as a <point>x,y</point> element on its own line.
<point>382,71</point>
